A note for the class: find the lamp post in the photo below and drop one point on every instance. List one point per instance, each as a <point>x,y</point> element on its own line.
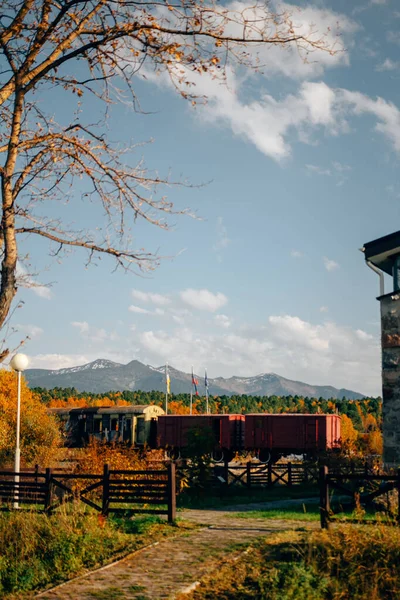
<point>18,363</point>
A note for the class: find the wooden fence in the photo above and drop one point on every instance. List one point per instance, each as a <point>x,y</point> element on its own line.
<point>251,475</point>
<point>362,488</point>
<point>113,491</point>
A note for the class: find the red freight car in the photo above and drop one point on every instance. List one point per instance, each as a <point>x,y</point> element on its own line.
<point>273,435</point>
<point>222,434</point>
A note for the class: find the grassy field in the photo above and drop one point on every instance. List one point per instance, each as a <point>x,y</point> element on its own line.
<point>38,551</point>
<point>348,562</point>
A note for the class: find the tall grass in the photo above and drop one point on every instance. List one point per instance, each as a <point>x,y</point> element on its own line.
<point>347,562</point>
<point>38,550</point>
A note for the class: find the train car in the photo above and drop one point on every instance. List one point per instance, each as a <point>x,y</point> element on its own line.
<point>133,425</point>
<point>274,435</point>
<point>221,435</point>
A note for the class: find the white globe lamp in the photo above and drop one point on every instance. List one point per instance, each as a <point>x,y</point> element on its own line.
<point>18,363</point>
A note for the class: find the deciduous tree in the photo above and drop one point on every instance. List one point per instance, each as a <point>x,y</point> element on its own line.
<point>40,433</point>
<point>92,51</point>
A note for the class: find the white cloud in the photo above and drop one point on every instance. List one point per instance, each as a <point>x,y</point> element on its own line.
<point>324,309</point>
<point>138,310</point>
<point>340,167</point>
<point>316,24</point>
<point>388,65</point>
<point>318,170</point>
<point>58,361</point>
<point>42,291</point>
<point>27,280</point>
<point>296,331</point>
<point>93,334</point>
<point>148,297</point>
<point>223,240</point>
<point>203,299</point>
<point>223,321</point>
<point>326,354</point>
<point>387,114</point>
<point>83,326</point>
<point>32,331</point>
<point>330,265</point>
<point>296,254</point>
<point>272,124</point>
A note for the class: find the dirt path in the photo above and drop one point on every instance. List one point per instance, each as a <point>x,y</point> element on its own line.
<point>164,570</point>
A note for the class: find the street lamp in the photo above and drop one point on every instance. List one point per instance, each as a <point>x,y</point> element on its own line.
<point>19,363</point>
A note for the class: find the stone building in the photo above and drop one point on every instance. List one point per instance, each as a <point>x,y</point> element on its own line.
<point>383,256</point>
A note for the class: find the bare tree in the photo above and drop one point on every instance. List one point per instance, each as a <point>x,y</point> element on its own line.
<point>106,43</point>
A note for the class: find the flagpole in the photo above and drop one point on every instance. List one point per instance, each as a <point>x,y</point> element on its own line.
<point>191,393</point>
<point>166,388</point>
<point>206,386</point>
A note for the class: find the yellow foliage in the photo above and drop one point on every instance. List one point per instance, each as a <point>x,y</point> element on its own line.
<point>93,457</point>
<point>178,408</point>
<point>349,435</point>
<point>40,435</point>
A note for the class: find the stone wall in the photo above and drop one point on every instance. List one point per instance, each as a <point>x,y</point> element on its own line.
<point>390,323</point>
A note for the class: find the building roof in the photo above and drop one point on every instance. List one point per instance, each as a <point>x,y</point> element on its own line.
<point>381,252</point>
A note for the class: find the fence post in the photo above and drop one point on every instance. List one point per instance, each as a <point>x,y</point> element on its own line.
<point>289,471</point>
<point>36,473</point>
<point>305,473</point>
<point>105,505</point>
<point>269,474</point>
<point>49,489</point>
<point>398,489</point>
<point>171,492</point>
<point>324,497</point>
<point>248,474</point>
<point>226,472</point>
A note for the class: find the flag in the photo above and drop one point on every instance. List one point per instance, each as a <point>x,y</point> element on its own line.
<point>167,380</point>
<point>195,383</point>
<point>206,381</point>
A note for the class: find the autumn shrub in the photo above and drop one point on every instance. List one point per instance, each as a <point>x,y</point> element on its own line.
<point>39,550</point>
<point>91,458</point>
<point>40,438</point>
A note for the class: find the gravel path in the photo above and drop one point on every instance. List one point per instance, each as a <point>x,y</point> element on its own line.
<point>167,568</point>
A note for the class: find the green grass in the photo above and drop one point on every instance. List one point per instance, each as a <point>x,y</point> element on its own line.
<point>302,513</point>
<point>356,562</point>
<point>39,551</point>
<point>310,512</point>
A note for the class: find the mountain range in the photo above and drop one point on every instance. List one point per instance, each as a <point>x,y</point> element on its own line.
<point>103,375</point>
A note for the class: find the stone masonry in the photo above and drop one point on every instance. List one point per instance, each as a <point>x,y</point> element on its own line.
<point>390,323</point>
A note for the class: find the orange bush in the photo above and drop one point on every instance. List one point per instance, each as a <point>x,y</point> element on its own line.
<point>40,436</point>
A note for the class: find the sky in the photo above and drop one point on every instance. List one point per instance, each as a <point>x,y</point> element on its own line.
<point>291,171</point>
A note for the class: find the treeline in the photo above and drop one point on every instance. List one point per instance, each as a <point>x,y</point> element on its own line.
<point>359,411</point>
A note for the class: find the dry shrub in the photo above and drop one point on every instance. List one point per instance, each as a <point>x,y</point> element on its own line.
<point>357,562</point>
<point>92,458</point>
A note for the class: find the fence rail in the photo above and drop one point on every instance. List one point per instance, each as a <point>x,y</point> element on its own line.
<point>253,475</point>
<point>113,491</point>
<point>355,486</point>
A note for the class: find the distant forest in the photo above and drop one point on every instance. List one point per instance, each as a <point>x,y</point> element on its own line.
<point>365,414</point>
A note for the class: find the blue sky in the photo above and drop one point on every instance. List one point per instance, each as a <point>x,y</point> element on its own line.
<point>301,166</point>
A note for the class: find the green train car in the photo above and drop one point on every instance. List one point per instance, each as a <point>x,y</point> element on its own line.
<point>132,425</point>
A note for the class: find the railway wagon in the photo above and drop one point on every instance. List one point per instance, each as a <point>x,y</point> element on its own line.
<point>221,435</point>
<point>273,435</point>
<point>134,425</point>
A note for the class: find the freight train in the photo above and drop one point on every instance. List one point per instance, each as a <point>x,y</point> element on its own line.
<point>267,436</point>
